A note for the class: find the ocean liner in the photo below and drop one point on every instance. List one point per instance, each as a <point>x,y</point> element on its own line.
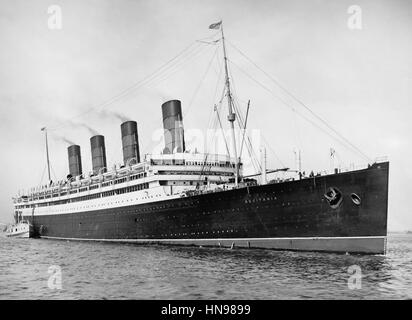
<point>180,197</point>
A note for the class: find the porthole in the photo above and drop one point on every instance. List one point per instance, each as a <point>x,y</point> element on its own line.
<point>355,199</point>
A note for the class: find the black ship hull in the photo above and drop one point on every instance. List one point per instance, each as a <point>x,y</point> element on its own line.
<point>343,212</point>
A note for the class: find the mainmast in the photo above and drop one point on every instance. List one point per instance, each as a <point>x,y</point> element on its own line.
<point>47,152</point>
<point>231,116</point>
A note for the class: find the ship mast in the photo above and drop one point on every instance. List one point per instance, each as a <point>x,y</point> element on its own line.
<point>47,152</point>
<point>231,116</point>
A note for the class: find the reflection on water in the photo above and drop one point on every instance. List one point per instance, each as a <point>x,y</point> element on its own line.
<point>119,271</point>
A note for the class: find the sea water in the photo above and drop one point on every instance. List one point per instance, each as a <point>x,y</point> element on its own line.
<point>53,269</point>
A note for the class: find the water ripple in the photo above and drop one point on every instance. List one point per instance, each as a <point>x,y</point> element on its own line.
<point>116,271</point>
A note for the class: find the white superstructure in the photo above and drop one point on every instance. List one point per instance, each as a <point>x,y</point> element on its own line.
<point>157,178</point>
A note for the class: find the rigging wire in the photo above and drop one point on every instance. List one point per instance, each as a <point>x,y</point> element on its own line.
<point>201,82</point>
<point>255,162</point>
<point>254,159</point>
<point>221,127</point>
<point>219,77</point>
<point>42,175</point>
<point>167,72</point>
<point>273,151</point>
<point>156,82</point>
<point>244,130</point>
<point>213,124</point>
<point>54,173</point>
<point>258,165</point>
<point>190,50</point>
<point>251,151</point>
<point>291,107</point>
<point>212,120</point>
<point>180,64</point>
<point>301,103</point>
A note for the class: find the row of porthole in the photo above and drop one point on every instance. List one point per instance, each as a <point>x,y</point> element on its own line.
<point>105,204</point>
<point>157,208</point>
<point>355,198</point>
<point>223,211</point>
<point>197,233</point>
<point>190,225</point>
<point>195,202</point>
<point>134,188</point>
<point>206,213</point>
<point>269,199</point>
<point>185,204</point>
<point>214,211</point>
<point>260,199</point>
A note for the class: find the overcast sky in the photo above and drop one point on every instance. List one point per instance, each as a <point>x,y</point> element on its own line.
<point>359,81</point>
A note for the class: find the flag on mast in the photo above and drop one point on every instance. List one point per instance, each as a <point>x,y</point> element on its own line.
<point>215,25</point>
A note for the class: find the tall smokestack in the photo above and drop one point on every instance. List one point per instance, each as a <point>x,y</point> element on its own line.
<point>130,142</point>
<point>98,153</point>
<point>173,127</point>
<point>75,160</point>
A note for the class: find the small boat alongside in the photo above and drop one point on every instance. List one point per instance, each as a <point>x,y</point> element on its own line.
<point>23,229</point>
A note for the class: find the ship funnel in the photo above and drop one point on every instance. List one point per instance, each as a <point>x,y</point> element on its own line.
<point>173,127</point>
<point>130,142</point>
<point>98,154</point>
<point>75,160</point>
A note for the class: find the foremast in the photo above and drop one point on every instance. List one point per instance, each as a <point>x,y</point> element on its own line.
<point>231,115</point>
<point>47,153</point>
